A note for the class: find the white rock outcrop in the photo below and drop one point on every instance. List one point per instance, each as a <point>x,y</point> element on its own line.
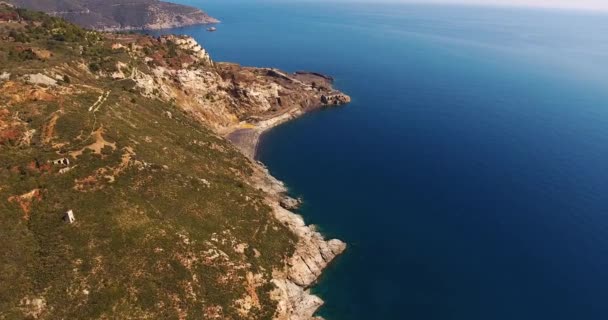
<point>294,302</point>
<point>5,76</point>
<point>312,254</point>
<point>189,43</point>
<point>40,79</point>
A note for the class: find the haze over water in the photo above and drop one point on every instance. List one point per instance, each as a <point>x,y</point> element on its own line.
<point>470,174</point>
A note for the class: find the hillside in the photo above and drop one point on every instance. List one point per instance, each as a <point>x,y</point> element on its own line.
<point>120,14</point>
<point>172,221</point>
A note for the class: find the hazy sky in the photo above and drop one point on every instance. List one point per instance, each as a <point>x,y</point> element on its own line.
<point>565,4</point>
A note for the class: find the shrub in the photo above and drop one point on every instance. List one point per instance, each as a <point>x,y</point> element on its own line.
<point>22,55</point>
<point>94,67</point>
<point>18,36</point>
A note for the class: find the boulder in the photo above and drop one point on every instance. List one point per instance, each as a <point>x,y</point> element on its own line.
<point>335,99</point>
<point>290,203</point>
<point>40,79</point>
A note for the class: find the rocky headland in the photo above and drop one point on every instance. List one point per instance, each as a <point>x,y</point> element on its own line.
<point>285,97</point>
<point>130,132</point>
<point>241,103</point>
<point>120,15</point>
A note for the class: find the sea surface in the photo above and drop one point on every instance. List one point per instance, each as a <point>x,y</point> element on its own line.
<point>470,174</point>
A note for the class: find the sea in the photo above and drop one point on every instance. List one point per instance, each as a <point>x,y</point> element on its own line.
<point>469,176</point>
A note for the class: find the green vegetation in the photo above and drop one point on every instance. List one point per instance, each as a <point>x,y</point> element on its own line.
<point>161,203</point>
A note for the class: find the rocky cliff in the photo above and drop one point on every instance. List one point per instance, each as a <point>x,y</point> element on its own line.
<point>128,134</point>
<point>113,15</point>
<point>240,103</point>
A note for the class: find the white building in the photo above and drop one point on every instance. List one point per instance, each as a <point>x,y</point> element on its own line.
<point>69,217</point>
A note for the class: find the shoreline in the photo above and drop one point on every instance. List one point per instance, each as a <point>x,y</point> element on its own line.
<point>149,28</point>
<point>313,253</point>
<point>240,104</point>
<point>318,93</point>
<point>247,138</point>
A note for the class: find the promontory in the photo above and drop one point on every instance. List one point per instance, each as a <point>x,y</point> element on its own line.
<point>119,15</point>
<point>121,196</point>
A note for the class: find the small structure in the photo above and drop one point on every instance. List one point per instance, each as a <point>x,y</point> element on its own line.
<point>69,217</point>
<point>65,170</point>
<point>61,162</point>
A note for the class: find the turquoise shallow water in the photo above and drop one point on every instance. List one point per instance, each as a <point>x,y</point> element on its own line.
<point>469,175</point>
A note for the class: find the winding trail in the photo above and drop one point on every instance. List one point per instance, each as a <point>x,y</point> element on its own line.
<point>102,98</point>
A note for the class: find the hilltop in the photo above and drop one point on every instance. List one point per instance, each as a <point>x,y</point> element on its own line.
<point>172,221</point>
<point>114,15</point>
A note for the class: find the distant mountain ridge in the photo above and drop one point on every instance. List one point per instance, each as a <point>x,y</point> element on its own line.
<point>114,15</point>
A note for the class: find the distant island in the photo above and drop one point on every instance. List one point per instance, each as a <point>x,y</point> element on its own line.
<point>120,15</point>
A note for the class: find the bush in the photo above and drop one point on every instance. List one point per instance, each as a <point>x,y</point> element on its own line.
<point>94,67</point>
<point>59,37</point>
<point>22,55</point>
<point>172,47</point>
<point>18,36</point>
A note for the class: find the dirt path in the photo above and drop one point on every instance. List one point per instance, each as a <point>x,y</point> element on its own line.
<point>102,98</point>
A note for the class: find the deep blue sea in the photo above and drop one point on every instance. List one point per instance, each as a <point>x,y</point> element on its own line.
<point>470,174</point>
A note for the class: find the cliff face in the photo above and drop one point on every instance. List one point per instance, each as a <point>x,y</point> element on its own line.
<point>111,15</point>
<point>238,102</point>
<point>172,221</point>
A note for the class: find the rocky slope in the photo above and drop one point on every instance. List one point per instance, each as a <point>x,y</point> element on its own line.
<point>172,220</point>
<point>112,15</point>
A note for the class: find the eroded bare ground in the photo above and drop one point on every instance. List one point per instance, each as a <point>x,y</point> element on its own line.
<point>172,221</point>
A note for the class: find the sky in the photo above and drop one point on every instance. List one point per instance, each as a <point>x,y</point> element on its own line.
<point>600,5</point>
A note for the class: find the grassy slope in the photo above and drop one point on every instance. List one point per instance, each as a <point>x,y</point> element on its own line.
<point>152,238</point>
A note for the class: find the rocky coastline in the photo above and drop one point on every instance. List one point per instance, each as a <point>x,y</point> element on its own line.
<point>313,252</point>
<point>240,104</point>
<point>312,255</point>
<point>126,136</point>
<point>246,135</point>
<point>121,15</point>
